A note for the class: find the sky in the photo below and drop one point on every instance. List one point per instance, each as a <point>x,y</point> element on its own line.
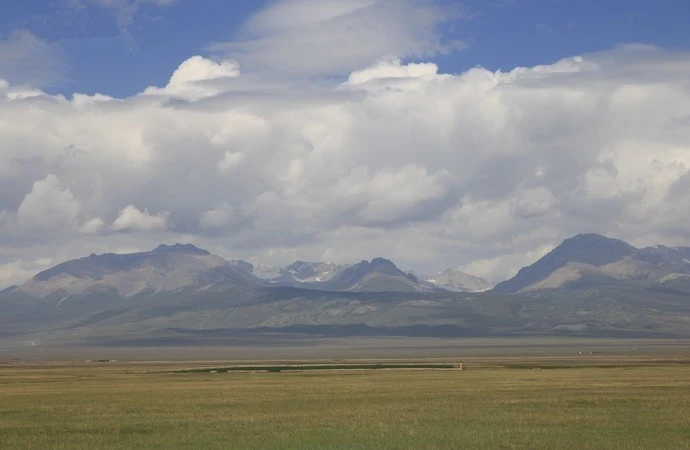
<point>475,134</point>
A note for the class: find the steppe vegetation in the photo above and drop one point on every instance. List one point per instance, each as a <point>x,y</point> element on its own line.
<point>578,403</point>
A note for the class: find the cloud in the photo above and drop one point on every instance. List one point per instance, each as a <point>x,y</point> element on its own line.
<point>49,205</point>
<point>221,216</point>
<point>194,78</point>
<point>331,37</point>
<point>92,226</point>
<point>392,196</point>
<point>230,161</point>
<point>19,271</point>
<point>385,71</point>
<point>133,219</point>
<point>124,10</point>
<point>27,60</point>
<point>482,170</point>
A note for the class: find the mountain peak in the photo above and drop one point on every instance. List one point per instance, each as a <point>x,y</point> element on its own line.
<point>180,248</point>
<point>299,265</point>
<point>591,248</point>
<point>591,237</point>
<point>376,276</point>
<point>383,262</point>
<point>305,271</point>
<point>167,268</point>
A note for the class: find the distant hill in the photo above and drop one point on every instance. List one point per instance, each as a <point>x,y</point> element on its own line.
<point>165,269</point>
<point>379,275</point>
<point>591,261</point>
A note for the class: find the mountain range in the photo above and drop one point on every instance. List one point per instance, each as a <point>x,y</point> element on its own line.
<point>184,267</point>
<point>588,285</point>
<point>378,275</point>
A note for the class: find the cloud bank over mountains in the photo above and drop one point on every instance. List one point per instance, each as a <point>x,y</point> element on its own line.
<point>254,154</point>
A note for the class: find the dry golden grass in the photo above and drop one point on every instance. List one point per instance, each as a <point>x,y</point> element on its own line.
<point>482,407</point>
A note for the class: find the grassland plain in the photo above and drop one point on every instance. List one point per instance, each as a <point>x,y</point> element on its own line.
<point>536,403</point>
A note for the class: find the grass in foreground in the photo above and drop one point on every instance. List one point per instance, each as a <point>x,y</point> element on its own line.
<point>494,407</point>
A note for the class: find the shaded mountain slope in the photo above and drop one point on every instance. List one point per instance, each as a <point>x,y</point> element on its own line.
<point>379,275</point>
<point>589,249</point>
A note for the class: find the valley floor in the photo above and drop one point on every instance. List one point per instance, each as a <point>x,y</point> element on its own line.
<point>569,402</point>
<point>290,347</point>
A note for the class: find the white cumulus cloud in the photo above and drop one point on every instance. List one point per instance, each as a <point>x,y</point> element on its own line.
<point>192,78</point>
<point>133,219</point>
<point>479,169</point>
<point>50,205</point>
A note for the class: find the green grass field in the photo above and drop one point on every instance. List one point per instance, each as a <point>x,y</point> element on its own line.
<point>510,404</point>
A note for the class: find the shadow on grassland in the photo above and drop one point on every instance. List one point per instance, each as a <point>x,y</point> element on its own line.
<point>307,334</point>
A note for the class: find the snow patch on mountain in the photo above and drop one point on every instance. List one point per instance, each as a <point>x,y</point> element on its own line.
<point>458,281</point>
